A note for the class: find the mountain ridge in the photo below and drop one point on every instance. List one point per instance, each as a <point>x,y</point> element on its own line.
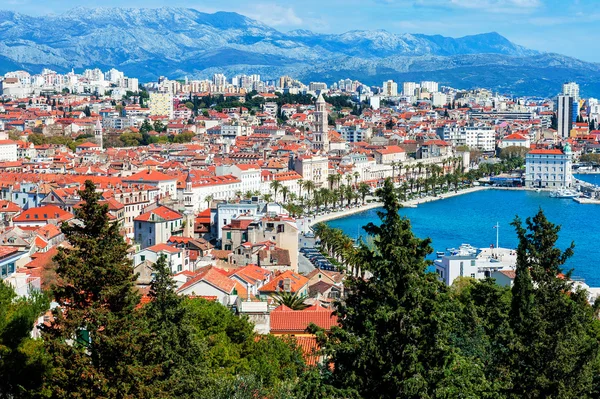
<point>172,41</point>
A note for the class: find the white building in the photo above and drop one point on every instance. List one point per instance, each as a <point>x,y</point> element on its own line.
<point>8,151</point>
<point>176,258</point>
<point>248,174</point>
<point>515,140</point>
<point>390,89</point>
<point>473,263</point>
<point>409,88</point>
<point>474,136</point>
<point>314,168</point>
<point>571,89</point>
<point>549,168</point>
<point>161,104</point>
<point>431,87</point>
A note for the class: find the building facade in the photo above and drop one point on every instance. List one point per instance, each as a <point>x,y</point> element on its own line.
<point>548,168</point>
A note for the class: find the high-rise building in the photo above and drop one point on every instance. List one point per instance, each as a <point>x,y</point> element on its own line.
<point>431,87</point>
<point>321,131</point>
<point>409,88</point>
<point>565,115</point>
<point>571,89</point>
<point>219,79</point>
<point>390,88</point>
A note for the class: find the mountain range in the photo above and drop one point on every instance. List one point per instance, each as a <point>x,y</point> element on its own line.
<point>176,42</point>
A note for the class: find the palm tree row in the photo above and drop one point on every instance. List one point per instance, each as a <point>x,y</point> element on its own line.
<point>337,245</point>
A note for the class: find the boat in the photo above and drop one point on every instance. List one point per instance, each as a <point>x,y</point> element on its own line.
<point>564,193</point>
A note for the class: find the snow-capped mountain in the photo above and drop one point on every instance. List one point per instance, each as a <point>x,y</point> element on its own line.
<point>175,42</point>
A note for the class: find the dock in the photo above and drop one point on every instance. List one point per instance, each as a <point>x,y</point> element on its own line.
<point>583,200</point>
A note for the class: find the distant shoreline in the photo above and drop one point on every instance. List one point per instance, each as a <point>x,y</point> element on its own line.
<point>414,203</point>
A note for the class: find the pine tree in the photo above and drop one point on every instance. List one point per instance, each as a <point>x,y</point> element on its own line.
<point>94,339</point>
<point>171,344</point>
<point>395,326</point>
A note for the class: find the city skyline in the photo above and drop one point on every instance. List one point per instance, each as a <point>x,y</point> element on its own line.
<point>545,21</point>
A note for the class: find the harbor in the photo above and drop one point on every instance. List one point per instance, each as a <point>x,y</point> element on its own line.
<point>471,219</point>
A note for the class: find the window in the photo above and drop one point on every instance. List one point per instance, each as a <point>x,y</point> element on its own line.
<point>142,258</point>
<point>228,235</point>
<point>472,275</point>
<point>472,263</point>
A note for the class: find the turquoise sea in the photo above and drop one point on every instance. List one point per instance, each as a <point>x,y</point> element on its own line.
<point>470,218</point>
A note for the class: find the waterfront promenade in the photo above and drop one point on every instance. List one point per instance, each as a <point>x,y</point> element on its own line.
<point>408,204</point>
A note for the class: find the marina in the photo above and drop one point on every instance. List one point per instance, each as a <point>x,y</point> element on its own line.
<point>471,219</point>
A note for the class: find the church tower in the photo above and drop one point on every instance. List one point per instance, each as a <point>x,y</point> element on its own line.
<point>188,215</point>
<point>321,130</point>
<point>98,133</point>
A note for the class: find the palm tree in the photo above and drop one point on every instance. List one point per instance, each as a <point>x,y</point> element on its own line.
<point>268,197</point>
<point>248,195</point>
<point>284,192</point>
<point>399,171</point>
<point>293,197</point>
<point>364,190</point>
<point>290,299</point>
<point>275,186</point>
<point>393,170</point>
<point>356,176</point>
<point>331,179</point>
<point>300,187</point>
<point>338,179</point>
<point>348,179</point>
<point>309,186</point>
<point>238,194</point>
<point>209,199</point>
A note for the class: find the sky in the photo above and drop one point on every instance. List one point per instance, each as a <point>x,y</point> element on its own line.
<point>567,27</point>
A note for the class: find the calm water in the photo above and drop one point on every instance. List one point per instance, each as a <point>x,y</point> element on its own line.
<point>471,218</point>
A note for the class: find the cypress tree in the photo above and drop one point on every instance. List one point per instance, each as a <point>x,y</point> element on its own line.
<point>94,338</point>
<point>555,347</point>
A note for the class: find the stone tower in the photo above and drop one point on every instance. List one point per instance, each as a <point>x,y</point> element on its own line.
<point>98,133</point>
<point>188,215</point>
<point>321,130</point>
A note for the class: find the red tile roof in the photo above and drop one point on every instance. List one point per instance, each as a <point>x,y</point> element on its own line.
<point>285,320</point>
<point>162,213</point>
<point>43,213</point>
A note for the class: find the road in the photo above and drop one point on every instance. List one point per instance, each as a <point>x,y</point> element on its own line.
<point>304,265</point>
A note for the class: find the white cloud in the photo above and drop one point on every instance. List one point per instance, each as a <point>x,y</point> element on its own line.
<point>274,15</point>
<point>483,5</point>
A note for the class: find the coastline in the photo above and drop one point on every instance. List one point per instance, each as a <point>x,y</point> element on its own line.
<point>408,204</point>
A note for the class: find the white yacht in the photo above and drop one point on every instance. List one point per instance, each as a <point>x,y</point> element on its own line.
<point>564,193</point>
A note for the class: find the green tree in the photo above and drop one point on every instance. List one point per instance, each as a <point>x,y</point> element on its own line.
<point>555,348</point>
<point>94,339</point>
<point>23,362</point>
<point>171,345</point>
<point>395,327</point>
<point>37,139</point>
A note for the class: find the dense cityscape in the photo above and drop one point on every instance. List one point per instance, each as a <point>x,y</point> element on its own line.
<point>218,192</point>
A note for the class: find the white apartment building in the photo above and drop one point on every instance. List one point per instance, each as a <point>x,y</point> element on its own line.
<point>571,89</point>
<point>161,104</point>
<point>431,87</point>
<point>8,151</point>
<point>481,137</point>
<point>409,88</point>
<point>439,99</point>
<point>548,168</point>
<point>390,89</point>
